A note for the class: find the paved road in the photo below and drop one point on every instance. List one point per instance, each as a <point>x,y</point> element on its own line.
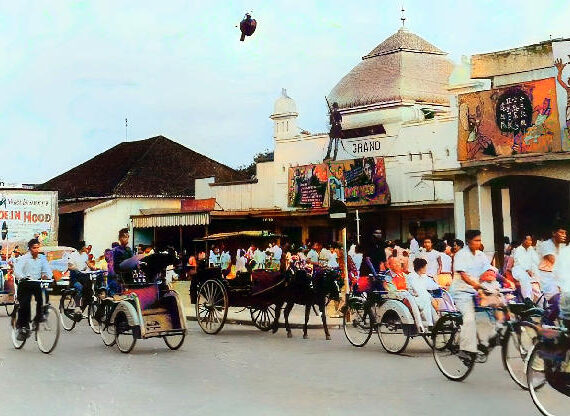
<point>242,371</point>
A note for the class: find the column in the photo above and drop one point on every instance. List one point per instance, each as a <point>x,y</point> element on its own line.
<point>459,215</point>
<point>506,208</point>
<point>304,234</point>
<point>486,218</point>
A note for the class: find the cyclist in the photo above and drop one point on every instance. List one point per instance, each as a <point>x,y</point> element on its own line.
<point>78,264</point>
<point>121,252</point>
<point>469,264</point>
<point>31,266</point>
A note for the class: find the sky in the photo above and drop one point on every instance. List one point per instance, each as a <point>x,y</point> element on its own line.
<point>72,71</point>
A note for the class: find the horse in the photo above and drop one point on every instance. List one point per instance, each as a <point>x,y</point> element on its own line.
<point>307,290</point>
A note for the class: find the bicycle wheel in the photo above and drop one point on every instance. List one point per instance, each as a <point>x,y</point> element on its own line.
<point>174,341</point>
<point>93,321</point>
<point>14,317</point>
<point>47,333</point>
<point>550,401</point>
<point>393,337</point>
<point>67,307</point>
<point>445,341</point>
<point>515,352</point>
<point>107,331</point>
<point>357,322</point>
<point>125,336</point>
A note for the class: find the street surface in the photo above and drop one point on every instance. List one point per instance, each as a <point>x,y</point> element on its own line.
<point>243,371</point>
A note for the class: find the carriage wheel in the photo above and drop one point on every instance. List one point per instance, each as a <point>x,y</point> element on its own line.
<point>212,306</point>
<point>125,336</point>
<point>174,341</point>
<point>17,344</point>
<point>357,322</point>
<point>263,317</point>
<point>550,401</point>
<point>391,333</point>
<point>67,307</point>
<point>47,333</point>
<point>515,352</point>
<point>445,342</point>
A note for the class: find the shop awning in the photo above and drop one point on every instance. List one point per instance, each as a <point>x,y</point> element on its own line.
<point>170,219</point>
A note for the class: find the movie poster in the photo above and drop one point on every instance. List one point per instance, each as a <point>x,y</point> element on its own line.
<point>308,186</point>
<point>359,181</point>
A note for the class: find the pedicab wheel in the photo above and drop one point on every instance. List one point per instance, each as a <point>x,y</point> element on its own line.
<point>263,317</point>
<point>357,322</point>
<point>107,330</point>
<point>9,308</point>
<point>124,336</point>
<point>174,341</point>
<point>391,333</point>
<point>546,398</point>
<point>212,306</point>
<point>17,343</point>
<point>47,333</point>
<point>67,307</point>
<point>515,352</point>
<point>445,349</point>
<point>93,323</point>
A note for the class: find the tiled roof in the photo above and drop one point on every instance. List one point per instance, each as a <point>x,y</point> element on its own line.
<point>153,167</point>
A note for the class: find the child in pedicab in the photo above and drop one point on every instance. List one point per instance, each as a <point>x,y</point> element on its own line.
<point>420,284</point>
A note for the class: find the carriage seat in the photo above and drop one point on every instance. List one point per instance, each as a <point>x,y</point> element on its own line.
<point>262,279</point>
<point>148,296</point>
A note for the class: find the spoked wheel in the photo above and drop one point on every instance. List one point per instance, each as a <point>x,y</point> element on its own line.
<point>263,317</point>
<point>67,307</point>
<point>357,322</point>
<point>212,306</point>
<point>391,333</point>
<point>125,336</point>
<point>515,352</point>
<point>47,334</point>
<point>445,341</point>
<point>9,308</point>
<point>174,341</point>
<point>548,400</point>
<point>17,344</point>
<point>93,322</point>
<point>107,329</point>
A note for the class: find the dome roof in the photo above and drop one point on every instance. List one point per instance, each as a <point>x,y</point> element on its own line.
<point>284,104</point>
<point>404,67</point>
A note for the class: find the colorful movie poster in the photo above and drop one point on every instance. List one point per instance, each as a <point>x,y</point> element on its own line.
<point>511,120</point>
<point>360,181</point>
<point>308,186</point>
<point>25,215</point>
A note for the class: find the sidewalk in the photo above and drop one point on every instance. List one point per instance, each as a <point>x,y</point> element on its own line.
<point>239,316</point>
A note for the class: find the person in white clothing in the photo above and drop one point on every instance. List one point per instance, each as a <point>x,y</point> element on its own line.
<point>332,261</point>
<point>414,248</point>
<point>313,254</point>
<point>525,268</point>
<point>548,268</point>
<point>564,283</point>
<point>468,263</point>
<point>419,283</point>
<point>356,257</point>
<point>259,259</point>
<point>432,257</point>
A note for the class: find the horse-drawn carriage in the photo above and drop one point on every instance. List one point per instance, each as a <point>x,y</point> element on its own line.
<point>213,292</point>
<point>146,309</point>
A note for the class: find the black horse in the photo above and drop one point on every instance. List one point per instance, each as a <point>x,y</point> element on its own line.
<point>304,289</point>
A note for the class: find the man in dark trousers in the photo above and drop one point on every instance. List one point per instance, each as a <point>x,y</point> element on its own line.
<point>335,134</point>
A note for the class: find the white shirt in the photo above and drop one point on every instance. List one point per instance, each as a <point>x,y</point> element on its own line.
<point>259,258</point>
<point>225,260</point>
<point>548,280</point>
<point>563,280</point>
<point>313,256</point>
<point>432,264</point>
<point>240,264</point>
<point>277,253</point>
<point>526,259</point>
<point>472,264</point>
<point>27,266</point>
<point>332,261</point>
<point>414,246</point>
<point>357,259</point>
<point>419,284</point>
<point>77,261</point>
<point>324,257</point>
<point>445,263</point>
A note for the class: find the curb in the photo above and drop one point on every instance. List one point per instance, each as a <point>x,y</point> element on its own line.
<point>233,321</point>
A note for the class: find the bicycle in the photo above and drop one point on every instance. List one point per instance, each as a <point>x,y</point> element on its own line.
<point>516,339</point>
<point>46,330</point>
<point>67,305</point>
<point>548,371</point>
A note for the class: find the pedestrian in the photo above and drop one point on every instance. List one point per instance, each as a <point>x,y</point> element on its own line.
<point>432,257</point>
<point>444,275</point>
<point>525,267</point>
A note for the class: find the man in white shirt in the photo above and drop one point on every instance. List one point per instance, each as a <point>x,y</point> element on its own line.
<point>548,267</point>
<point>31,266</point>
<point>313,254</point>
<point>419,283</point>
<point>259,259</point>
<point>525,267</point>
<point>414,248</point>
<point>432,258</point>
<point>468,263</point>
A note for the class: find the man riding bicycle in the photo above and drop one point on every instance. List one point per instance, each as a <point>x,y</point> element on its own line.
<point>32,266</point>
<point>78,264</point>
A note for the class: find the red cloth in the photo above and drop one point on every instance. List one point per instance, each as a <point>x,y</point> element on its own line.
<point>399,281</point>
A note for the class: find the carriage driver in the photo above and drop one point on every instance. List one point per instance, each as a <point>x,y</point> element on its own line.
<point>31,266</point>
<point>121,253</point>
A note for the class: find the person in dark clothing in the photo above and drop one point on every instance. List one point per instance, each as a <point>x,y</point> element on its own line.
<point>121,253</point>
<point>377,252</point>
<point>335,133</point>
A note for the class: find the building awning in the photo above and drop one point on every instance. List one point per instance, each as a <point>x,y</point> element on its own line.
<point>79,206</point>
<point>176,219</point>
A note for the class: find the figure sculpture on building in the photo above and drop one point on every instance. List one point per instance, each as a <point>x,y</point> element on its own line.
<point>566,85</point>
<point>335,133</point>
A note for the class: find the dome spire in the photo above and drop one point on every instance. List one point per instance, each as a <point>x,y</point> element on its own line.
<point>403,18</point>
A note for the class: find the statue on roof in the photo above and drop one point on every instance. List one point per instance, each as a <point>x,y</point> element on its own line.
<point>335,133</point>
